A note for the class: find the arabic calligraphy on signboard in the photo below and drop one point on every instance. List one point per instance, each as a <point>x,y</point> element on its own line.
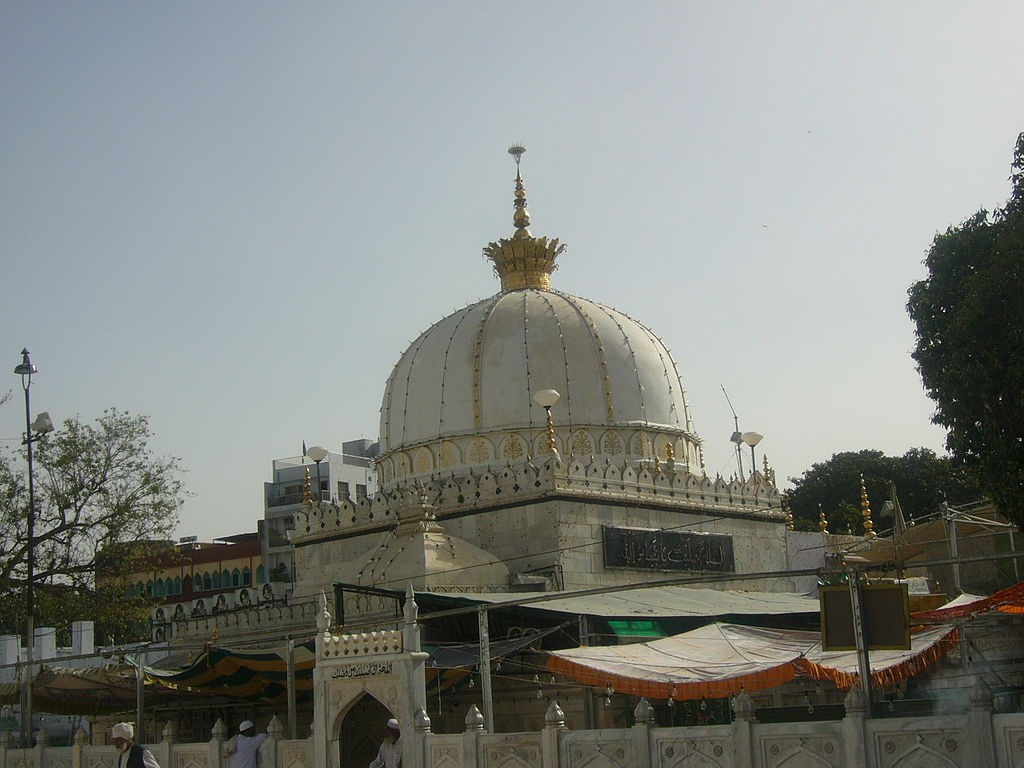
<point>667,550</point>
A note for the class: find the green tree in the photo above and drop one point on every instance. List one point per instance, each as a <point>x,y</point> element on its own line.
<point>96,486</point>
<point>970,342</point>
<point>922,481</point>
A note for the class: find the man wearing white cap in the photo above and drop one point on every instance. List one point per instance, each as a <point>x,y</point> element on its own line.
<point>243,748</point>
<point>130,754</point>
<point>390,753</point>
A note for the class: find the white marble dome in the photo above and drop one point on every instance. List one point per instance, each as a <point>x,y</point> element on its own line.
<point>476,370</point>
<point>462,394</point>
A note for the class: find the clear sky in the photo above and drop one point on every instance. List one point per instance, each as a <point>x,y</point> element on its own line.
<point>234,217</point>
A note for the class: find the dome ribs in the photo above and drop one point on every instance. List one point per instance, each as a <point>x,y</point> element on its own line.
<point>478,351</point>
<point>568,389</point>
<point>444,373</point>
<point>611,313</point>
<point>602,359</point>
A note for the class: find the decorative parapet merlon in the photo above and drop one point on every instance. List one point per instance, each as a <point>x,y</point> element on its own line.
<point>361,644</point>
<point>598,479</point>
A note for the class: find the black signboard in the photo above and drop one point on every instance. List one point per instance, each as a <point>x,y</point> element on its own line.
<point>886,618</point>
<point>667,550</point>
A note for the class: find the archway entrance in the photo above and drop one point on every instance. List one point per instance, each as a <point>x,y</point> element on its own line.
<point>361,732</point>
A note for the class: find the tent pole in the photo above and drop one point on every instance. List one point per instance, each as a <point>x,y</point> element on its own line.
<point>863,661</point>
<point>140,688</point>
<point>290,657</point>
<point>485,669</point>
<point>588,699</point>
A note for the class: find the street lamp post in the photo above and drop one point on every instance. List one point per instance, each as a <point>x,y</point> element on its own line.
<point>42,425</point>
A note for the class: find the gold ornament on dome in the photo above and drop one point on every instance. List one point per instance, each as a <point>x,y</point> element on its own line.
<point>523,261</point>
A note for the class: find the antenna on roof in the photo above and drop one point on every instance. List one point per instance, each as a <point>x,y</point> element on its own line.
<point>737,436</point>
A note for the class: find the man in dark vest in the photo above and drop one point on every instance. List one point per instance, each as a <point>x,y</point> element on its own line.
<point>130,754</point>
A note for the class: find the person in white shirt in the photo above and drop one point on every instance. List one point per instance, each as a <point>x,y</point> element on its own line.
<point>130,754</point>
<point>243,749</point>
<point>390,753</point>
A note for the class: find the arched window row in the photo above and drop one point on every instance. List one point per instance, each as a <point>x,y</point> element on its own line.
<point>205,581</point>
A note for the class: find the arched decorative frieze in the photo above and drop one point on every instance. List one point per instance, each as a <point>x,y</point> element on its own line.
<point>661,447</point>
<point>582,444</point>
<point>611,444</point>
<point>448,454</point>
<point>512,448</point>
<point>639,445</point>
<point>540,445</point>
<point>424,463</point>
<point>386,468</point>
<point>402,465</point>
<point>480,451</point>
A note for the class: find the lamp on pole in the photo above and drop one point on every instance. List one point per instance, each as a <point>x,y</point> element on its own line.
<point>42,425</point>
<point>546,398</point>
<point>752,439</point>
<point>318,454</point>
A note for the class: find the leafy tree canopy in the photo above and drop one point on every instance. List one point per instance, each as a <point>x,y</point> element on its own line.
<point>96,486</point>
<point>922,481</point>
<point>970,342</point>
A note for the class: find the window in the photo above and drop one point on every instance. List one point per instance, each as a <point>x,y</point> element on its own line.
<point>246,577</point>
<point>343,490</point>
<point>236,578</point>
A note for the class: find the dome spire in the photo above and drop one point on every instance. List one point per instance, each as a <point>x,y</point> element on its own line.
<point>522,216</point>
<point>523,261</point>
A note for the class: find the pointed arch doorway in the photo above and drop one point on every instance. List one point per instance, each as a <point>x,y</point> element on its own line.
<point>361,732</point>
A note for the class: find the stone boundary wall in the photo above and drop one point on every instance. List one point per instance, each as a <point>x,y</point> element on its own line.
<point>975,738</point>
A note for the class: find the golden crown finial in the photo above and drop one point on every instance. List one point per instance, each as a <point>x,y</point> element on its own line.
<point>523,261</point>
<point>822,522</point>
<point>307,497</point>
<point>790,525</point>
<point>865,510</point>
